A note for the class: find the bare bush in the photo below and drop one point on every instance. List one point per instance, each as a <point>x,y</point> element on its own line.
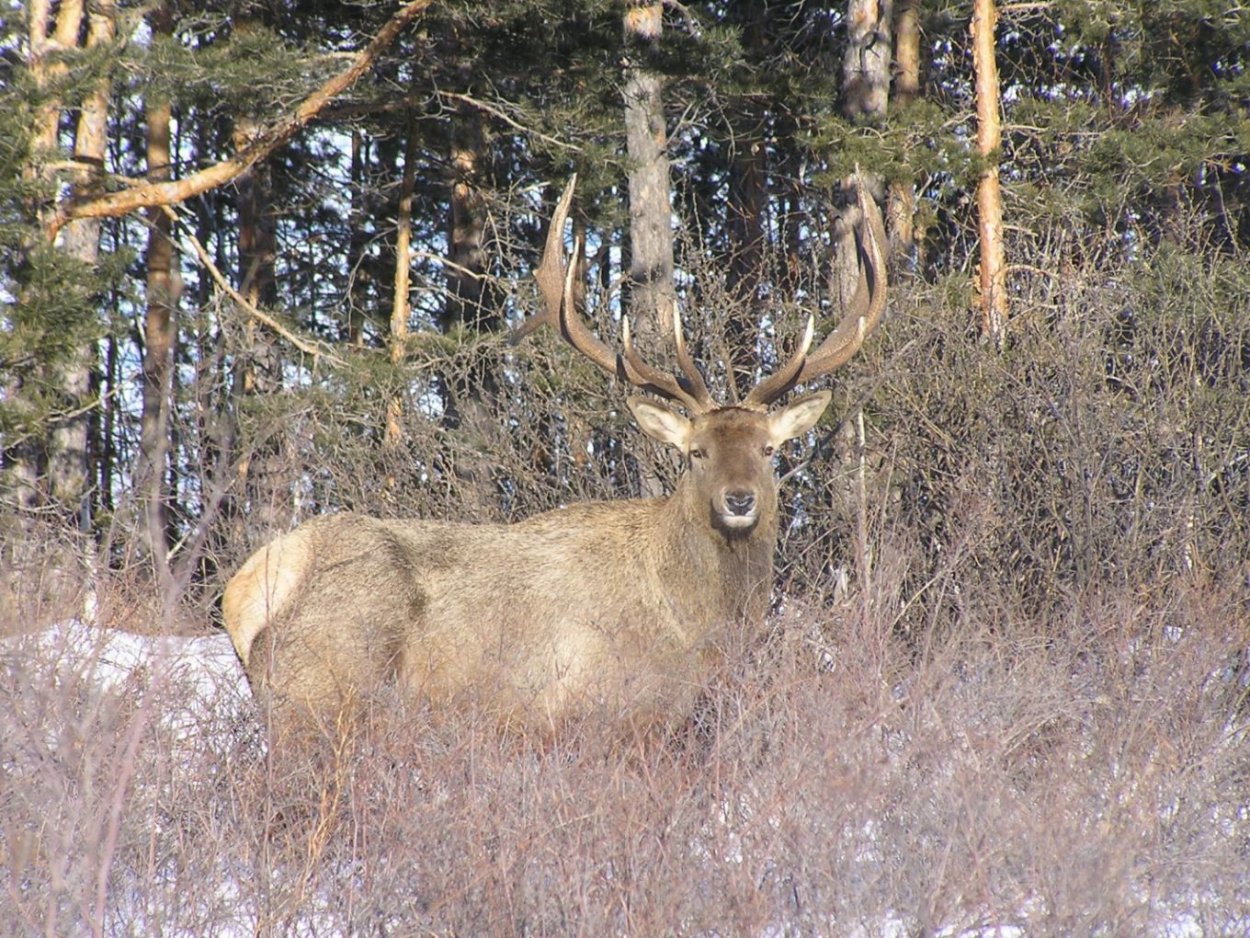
<point>1084,777</point>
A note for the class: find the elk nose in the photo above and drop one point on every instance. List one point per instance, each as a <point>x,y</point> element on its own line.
<point>740,503</point>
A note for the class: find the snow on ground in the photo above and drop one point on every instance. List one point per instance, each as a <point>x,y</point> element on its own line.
<point>196,676</point>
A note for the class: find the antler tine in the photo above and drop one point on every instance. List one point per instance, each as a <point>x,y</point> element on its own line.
<point>787,376</point>
<point>649,378</point>
<point>694,384</point>
<point>555,283</point>
<point>555,280</point>
<point>863,314</point>
<point>868,304</point>
<point>549,274</point>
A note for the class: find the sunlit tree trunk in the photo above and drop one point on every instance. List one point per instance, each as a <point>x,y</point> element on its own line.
<point>865,98</point>
<point>26,462</point>
<point>400,307</point>
<point>65,36</point>
<point>651,290</point>
<point>993,268</point>
<point>651,294</point>
<point>901,204</point>
<point>866,66</point>
<point>68,463</point>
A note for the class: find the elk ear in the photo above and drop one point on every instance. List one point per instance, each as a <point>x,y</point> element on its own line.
<point>660,423</point>
<point>799,416</point>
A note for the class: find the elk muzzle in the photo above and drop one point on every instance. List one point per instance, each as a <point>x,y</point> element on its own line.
<point>737,509</point>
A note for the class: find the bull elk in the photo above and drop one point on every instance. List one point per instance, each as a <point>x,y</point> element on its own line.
<point>612,607</point>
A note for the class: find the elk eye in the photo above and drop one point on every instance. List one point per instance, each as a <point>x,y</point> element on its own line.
<point>769,450</point>
<point>697,453</point>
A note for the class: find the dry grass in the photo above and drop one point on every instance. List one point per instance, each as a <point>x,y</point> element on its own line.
<point>1088,777</point>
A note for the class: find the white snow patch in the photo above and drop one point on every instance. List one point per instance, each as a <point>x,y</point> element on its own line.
<point>197,677</point>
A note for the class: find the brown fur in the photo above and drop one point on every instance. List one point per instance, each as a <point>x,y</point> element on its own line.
<point>612,607</point>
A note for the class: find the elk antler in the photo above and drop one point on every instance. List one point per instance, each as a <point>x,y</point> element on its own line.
<point>555,283</point>
<point>861,317</point>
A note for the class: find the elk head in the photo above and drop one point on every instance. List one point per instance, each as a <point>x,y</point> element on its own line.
<point>727,448</point>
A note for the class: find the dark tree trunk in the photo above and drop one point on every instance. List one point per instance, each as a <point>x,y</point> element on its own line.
<point>466,294</point>
<point>160,332</point>
<point>265,482</point>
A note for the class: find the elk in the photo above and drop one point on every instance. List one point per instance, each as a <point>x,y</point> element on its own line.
<point>615,607</point>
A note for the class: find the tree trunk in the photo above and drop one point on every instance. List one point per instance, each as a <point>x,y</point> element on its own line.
<point>866,66</point>
<point>469,396</point>
<point>652,295</point>
<point>901,206</point>
<point>466,299</point>
<point>747,210</point>
<point>26,462</point>
<point>263,475</point>
<point>359,292</point>
<point>69,459</point>
<point>400,307</point>
<point>65,37</point>
<point>160,333</point>
<point>865,98</point>
<point>748,207</point>
<point>993,268</point>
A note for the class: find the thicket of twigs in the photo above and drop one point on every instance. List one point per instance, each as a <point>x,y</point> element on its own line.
<point>1006,682</point>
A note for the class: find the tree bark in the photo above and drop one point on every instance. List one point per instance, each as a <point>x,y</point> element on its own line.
<point>901,205</point>
<point>746,222</point>
<point>748,206</point>
<point>26,462</point>
<point>466,295</point>
<point>470,395</point>
<point>68,462</point>
<point>866,66</point>
<point>360,294</point>
<point>400,307</point>
<point>160,334</point>
<point>865,98</point>
<point>652,295</point>
<point>263,473</point>
<point>993,268</point>
<point>65,36</point>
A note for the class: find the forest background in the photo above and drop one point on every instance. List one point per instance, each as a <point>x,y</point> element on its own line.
<point>259,261</point>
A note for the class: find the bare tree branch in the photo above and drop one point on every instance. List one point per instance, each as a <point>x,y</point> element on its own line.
<point>304,345</point>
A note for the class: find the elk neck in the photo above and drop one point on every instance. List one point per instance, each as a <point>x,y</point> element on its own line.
<point>699,555</point>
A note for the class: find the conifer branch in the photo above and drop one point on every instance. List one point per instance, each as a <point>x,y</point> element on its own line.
<point>150,194</point>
